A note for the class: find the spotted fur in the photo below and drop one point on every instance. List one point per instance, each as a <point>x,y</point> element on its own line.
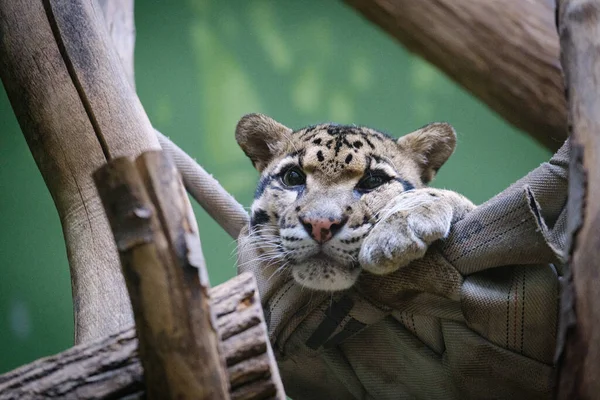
<point>333,225</point>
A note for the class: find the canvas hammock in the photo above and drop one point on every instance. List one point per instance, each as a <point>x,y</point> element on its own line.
<point>477,317</point>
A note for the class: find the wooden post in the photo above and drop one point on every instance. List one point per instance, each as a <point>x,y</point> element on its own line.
<point>504,52</point>
<point>148,210</point>
<point>579,28</point>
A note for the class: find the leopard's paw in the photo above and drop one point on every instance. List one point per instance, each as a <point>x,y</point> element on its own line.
<point>404,236</point>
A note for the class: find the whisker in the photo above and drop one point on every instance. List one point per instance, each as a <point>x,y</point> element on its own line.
<point>279,270</point>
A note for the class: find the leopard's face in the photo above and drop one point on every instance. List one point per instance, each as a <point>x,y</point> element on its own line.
<point>322,188</point>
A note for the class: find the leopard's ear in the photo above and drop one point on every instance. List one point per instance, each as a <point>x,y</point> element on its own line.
<point>261,138</point>
<point>431,147</point>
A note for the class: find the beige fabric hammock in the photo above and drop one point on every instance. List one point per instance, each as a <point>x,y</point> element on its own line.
<point>476,318</point>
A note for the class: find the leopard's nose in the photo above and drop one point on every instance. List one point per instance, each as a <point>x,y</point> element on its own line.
<point>322,229</point>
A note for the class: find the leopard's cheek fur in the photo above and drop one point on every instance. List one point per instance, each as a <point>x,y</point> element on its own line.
<point>267,213</point>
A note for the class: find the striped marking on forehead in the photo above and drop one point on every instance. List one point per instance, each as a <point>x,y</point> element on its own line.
<point>337,137</point>
<point>339,148</point>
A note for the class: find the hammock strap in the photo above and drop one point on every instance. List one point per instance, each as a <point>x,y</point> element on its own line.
<point>206,190</point>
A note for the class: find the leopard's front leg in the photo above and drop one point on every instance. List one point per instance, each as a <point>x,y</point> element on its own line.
<point>408,225</point>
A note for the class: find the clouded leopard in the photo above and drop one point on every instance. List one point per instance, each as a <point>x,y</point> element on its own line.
<point>334,200</point>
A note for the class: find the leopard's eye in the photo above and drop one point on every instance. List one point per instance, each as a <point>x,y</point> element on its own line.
<point>372,181</point>
<point>293,177</point>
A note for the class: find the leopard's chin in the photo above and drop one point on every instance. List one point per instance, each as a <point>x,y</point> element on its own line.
<point>320,272</point>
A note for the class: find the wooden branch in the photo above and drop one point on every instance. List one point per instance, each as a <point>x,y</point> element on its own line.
<point>579,28</point>
<point>75,108</point>
<point>504,52</point>
<point>148,210</point>
<point>111,367</point>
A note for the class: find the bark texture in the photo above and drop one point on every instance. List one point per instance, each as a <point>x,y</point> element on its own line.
<point>579,29</point>
<point>96,370</point>
<point>251,365</point>
<point>504,52</point>
<point>72,100</point>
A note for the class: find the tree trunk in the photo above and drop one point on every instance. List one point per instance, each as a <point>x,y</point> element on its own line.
<point>579,28</point>
<point>118,18</point>
<point>73,103</point>
<point>504,52</point>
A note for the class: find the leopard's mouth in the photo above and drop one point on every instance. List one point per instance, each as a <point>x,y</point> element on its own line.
<point>322,272</point>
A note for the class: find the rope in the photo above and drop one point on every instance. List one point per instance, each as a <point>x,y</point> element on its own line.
<point>206,190</point>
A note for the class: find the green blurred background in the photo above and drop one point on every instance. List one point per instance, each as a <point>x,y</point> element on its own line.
<point>201,65</point>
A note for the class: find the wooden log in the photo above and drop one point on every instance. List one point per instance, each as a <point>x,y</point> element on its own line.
<point>76,109</point>
<point>579,28</point>
<point>107,368</point>
<point>504,52</point>
<point>148,210</point>
<point>111,368</point>
<point>251,365</point>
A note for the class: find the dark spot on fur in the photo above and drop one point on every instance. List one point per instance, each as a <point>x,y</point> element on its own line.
<point>433,195</point>
<point>320,156</point>
<point>358,144</point>
<point>306,131</point>
<point>334,130</point>
<point>317,141</point>
<point>297,153</point>
<point>259,217</point>
<point>349,209</point>
<point>310,137</point>
<point>338,145</point>
<point>376,158</point>
<point>328,144</point>
<point>298,209</point>
<point>262,185</point>
<point>407,185</point>
<point>348,159</point>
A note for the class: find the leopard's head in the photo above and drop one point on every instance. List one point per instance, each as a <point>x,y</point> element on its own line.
<point>321,190</point>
